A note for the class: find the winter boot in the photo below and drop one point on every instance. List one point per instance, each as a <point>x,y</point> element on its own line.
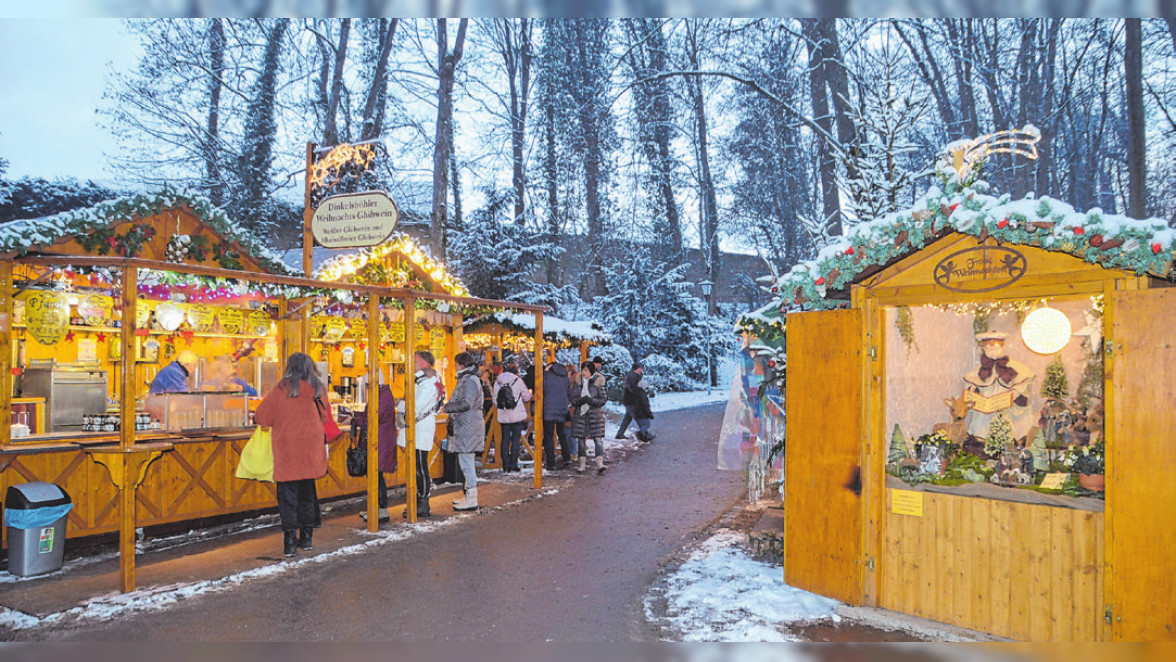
<point>583,464</point>
<point>600,468</point>
<point>470,502</point>
<point>304,538</point>
<point>290,542</point>
<point>423,508</point>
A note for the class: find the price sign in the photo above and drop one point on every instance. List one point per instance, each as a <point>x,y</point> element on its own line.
<point>142,314</point>
<point>95,309</point>
<point>200,317</point>
<point>396,332</point>
<point>358,328</point>
<point>335,328</point>
<point>231,320</point>
<point>259,322</point>
<point>437,341</point>
<point>169,315</point>
<point>47,316</point>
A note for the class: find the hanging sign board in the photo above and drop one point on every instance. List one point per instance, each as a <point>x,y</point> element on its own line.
<point>396,332</point>
<point>437,341</point>
<point>358,327</point>
<point>95,309</point>
<point>354,220</point>
<point>47,316</point>
<point>906,502</point>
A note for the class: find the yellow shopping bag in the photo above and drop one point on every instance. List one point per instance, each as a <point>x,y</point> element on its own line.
<point>257,458</point>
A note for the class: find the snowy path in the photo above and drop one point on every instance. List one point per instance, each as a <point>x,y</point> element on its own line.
<point>572,566</point>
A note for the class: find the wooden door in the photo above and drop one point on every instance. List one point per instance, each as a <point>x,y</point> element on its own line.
<point>822,493</point>
<point>1141,465</point>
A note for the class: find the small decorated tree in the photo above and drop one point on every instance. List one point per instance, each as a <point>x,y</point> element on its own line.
<point>1000,435</point>
<point>899,450</point>
<point>1056,385</point>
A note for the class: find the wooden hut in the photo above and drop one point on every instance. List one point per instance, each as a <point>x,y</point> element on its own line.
<point>921,481</point>
<point>118,290</point>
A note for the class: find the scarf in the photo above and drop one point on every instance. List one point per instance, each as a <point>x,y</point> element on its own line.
<point>1003,371</point>
<point>584,394</point>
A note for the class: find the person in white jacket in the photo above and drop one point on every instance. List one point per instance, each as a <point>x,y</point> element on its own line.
<point>509,388</point>
<point>429,395</point>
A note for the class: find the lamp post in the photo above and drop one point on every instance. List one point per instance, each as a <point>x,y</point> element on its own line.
<point>707,287</point>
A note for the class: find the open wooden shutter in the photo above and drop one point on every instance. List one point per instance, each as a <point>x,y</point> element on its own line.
<point>822,500</point>
<point>1141,465</point>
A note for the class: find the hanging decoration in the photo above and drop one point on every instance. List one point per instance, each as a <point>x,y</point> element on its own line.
<point>169,315</point>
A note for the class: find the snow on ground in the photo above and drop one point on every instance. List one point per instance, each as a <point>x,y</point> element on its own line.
<point>670,401</point>
<point>722,594</point>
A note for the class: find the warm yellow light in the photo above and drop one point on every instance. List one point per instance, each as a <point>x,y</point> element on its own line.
<point>1046,330</point>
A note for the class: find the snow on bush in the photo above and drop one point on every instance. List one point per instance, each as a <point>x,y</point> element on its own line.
<point>663,375</point>
<point>722,594</point>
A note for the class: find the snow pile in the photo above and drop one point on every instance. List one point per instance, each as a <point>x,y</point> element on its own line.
<point>672,401</point>
<point>722,594</point>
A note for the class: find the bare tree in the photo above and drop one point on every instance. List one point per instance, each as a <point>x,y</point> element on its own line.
<point>513,41</point>
<point>1136,129</point>
<point>447,61</point>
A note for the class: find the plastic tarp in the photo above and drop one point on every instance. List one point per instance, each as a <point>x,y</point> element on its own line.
<point>34,518</point>
<point>752,424</point>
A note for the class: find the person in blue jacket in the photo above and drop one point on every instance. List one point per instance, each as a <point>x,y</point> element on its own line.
<point>173,378</point>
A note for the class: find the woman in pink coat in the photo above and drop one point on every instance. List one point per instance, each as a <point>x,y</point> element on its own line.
<point>297,411</point>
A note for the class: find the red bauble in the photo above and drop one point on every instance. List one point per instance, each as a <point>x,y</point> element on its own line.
<point>1003,224</point>
<point>1156,248</point>
<point>849,251</point>
<point>1079,229</point>
<point>820,280</point>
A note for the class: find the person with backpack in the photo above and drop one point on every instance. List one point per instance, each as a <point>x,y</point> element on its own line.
<point>511,397</point>
<point>557,393</point>
<point>429,396</point>
<point>465,414</point>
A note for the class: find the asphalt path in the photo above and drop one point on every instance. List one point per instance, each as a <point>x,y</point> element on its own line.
<point>572,566</point>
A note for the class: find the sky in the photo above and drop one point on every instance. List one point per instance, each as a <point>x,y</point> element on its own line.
<point>52,75</point>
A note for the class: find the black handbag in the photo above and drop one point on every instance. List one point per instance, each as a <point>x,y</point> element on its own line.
<point>357,454</point>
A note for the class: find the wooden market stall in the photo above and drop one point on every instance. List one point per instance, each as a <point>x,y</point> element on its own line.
<point>493,333</point>
<point>953,370</point>
<point>118,291</point>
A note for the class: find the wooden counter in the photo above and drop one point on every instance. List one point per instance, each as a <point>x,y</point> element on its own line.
<point>194,478</point>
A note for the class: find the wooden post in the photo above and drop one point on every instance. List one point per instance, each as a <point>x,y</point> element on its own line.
<point>126,408</point>
<point>537,401</point>
<point>583,352</point>
<point>6,350</point>
<point>373,414</point>
<point>118,466</point>
<point>307,247</point>
<point>410,405</point>
<point>307,214</point>
<point>282,339</point>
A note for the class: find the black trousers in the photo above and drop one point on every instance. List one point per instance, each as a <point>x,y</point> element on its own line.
<point>424,482</point>
<point>550,430</point>
<point>297,504</point>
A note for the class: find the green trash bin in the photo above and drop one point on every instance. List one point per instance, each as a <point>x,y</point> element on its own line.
<point>35,515</point>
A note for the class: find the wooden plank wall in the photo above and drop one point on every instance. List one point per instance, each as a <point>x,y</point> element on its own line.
<point>193,480</point>
<point>1026,572</point>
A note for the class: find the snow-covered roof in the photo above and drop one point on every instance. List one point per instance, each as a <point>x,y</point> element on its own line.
<point>24,236</point>
<point>346,265</point>
<point>1111,241</point>
<point>554,328</point>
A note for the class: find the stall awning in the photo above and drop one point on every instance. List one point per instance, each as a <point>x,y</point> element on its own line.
<point>554,329</point>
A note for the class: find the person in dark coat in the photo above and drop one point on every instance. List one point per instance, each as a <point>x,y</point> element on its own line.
<point>469,433</point>
<point>557,397</point>
<point>588,423</point>
<point>292,409</point>
<point>637,408</point>
<point>387,459</point>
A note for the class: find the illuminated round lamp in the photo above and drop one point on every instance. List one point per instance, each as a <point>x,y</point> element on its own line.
<point>1046,330</point>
